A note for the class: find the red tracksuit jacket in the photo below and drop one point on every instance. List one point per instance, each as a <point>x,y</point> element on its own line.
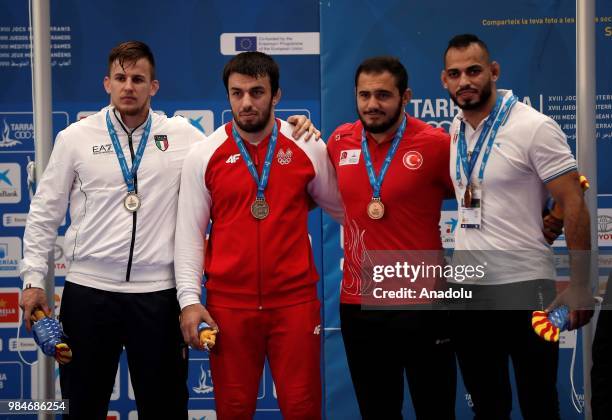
<point>251,263</point>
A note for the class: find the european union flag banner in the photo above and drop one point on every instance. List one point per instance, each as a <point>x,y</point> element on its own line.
<point>246,43</point>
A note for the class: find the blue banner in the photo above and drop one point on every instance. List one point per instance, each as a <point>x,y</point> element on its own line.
<point>318,46</point>
<point>192,41</point>
<point>535,44</point>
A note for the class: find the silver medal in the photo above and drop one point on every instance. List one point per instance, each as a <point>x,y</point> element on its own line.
<point>131,202</point>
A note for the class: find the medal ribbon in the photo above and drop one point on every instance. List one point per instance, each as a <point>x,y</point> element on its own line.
<point>375,182</point>
<point>494,121</point>
<point>128,174</point>
<point>265,173</point>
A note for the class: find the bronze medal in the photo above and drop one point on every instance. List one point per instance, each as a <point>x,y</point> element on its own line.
<point>376,209</point>
<point>260,208</point>
<point>131,202</point>
<point>467,197</point>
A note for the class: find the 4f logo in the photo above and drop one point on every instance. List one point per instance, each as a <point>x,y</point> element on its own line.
<point>233,158</point>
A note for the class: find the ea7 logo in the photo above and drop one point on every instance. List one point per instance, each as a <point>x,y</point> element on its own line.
<point>233,158</point>
<point>102,149</point>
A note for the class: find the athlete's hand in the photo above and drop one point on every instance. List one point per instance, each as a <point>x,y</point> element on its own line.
<point>580,302</point>
<point>191,316</point>
<point>553,227</point>
<point>303,125</point>
<point>31,299</point>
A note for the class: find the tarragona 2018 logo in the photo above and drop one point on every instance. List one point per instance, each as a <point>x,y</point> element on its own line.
<point>13,134</point>
<point>6,140</point>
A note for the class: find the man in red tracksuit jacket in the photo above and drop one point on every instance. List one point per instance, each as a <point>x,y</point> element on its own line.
<point>396,219</point>
<point>255,184</point>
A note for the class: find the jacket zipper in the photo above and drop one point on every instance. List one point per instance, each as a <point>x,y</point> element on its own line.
<point>133,241</point>
<point>129,264</point>
<point>259,274</point>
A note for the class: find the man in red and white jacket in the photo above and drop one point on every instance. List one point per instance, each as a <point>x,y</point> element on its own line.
<point>255,184</point>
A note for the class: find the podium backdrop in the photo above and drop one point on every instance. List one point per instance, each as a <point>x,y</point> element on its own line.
<point>318,46</point>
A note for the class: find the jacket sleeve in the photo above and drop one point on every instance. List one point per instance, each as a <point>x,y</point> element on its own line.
<point>323,188</point>
<point>47,210</point>
<point>192,221</point>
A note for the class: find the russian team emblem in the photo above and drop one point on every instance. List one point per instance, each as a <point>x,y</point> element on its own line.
<point>161,141</point>
<point>284,158</point>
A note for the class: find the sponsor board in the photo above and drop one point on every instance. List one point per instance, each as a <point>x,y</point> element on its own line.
<point>11,380</point>
<point>18,220</point>
<point>9,307</point>
<point>604,227</point>
<point>202,119</point>
<point>14,219</point>
<point>22,344</point>
<point>10,183</point>
<point>10,256</point>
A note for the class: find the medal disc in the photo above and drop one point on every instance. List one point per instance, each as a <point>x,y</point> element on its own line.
<point>260,209</point>
<point>376,209</point>
<point>467,197</point>
<point>131,202</point>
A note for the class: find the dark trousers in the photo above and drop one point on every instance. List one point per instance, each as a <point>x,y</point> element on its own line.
<point>485,341</point>
<point>601,374</point>
<point>99,325</point>
<point>383,345</point>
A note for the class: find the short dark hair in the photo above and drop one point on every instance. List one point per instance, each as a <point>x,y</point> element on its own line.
<point>463,41</point>
<point>255,64</point>
<point>382,64</point>
<point>129,53</point>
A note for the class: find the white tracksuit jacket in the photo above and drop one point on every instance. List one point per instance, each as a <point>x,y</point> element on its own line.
<point>107,247</point>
